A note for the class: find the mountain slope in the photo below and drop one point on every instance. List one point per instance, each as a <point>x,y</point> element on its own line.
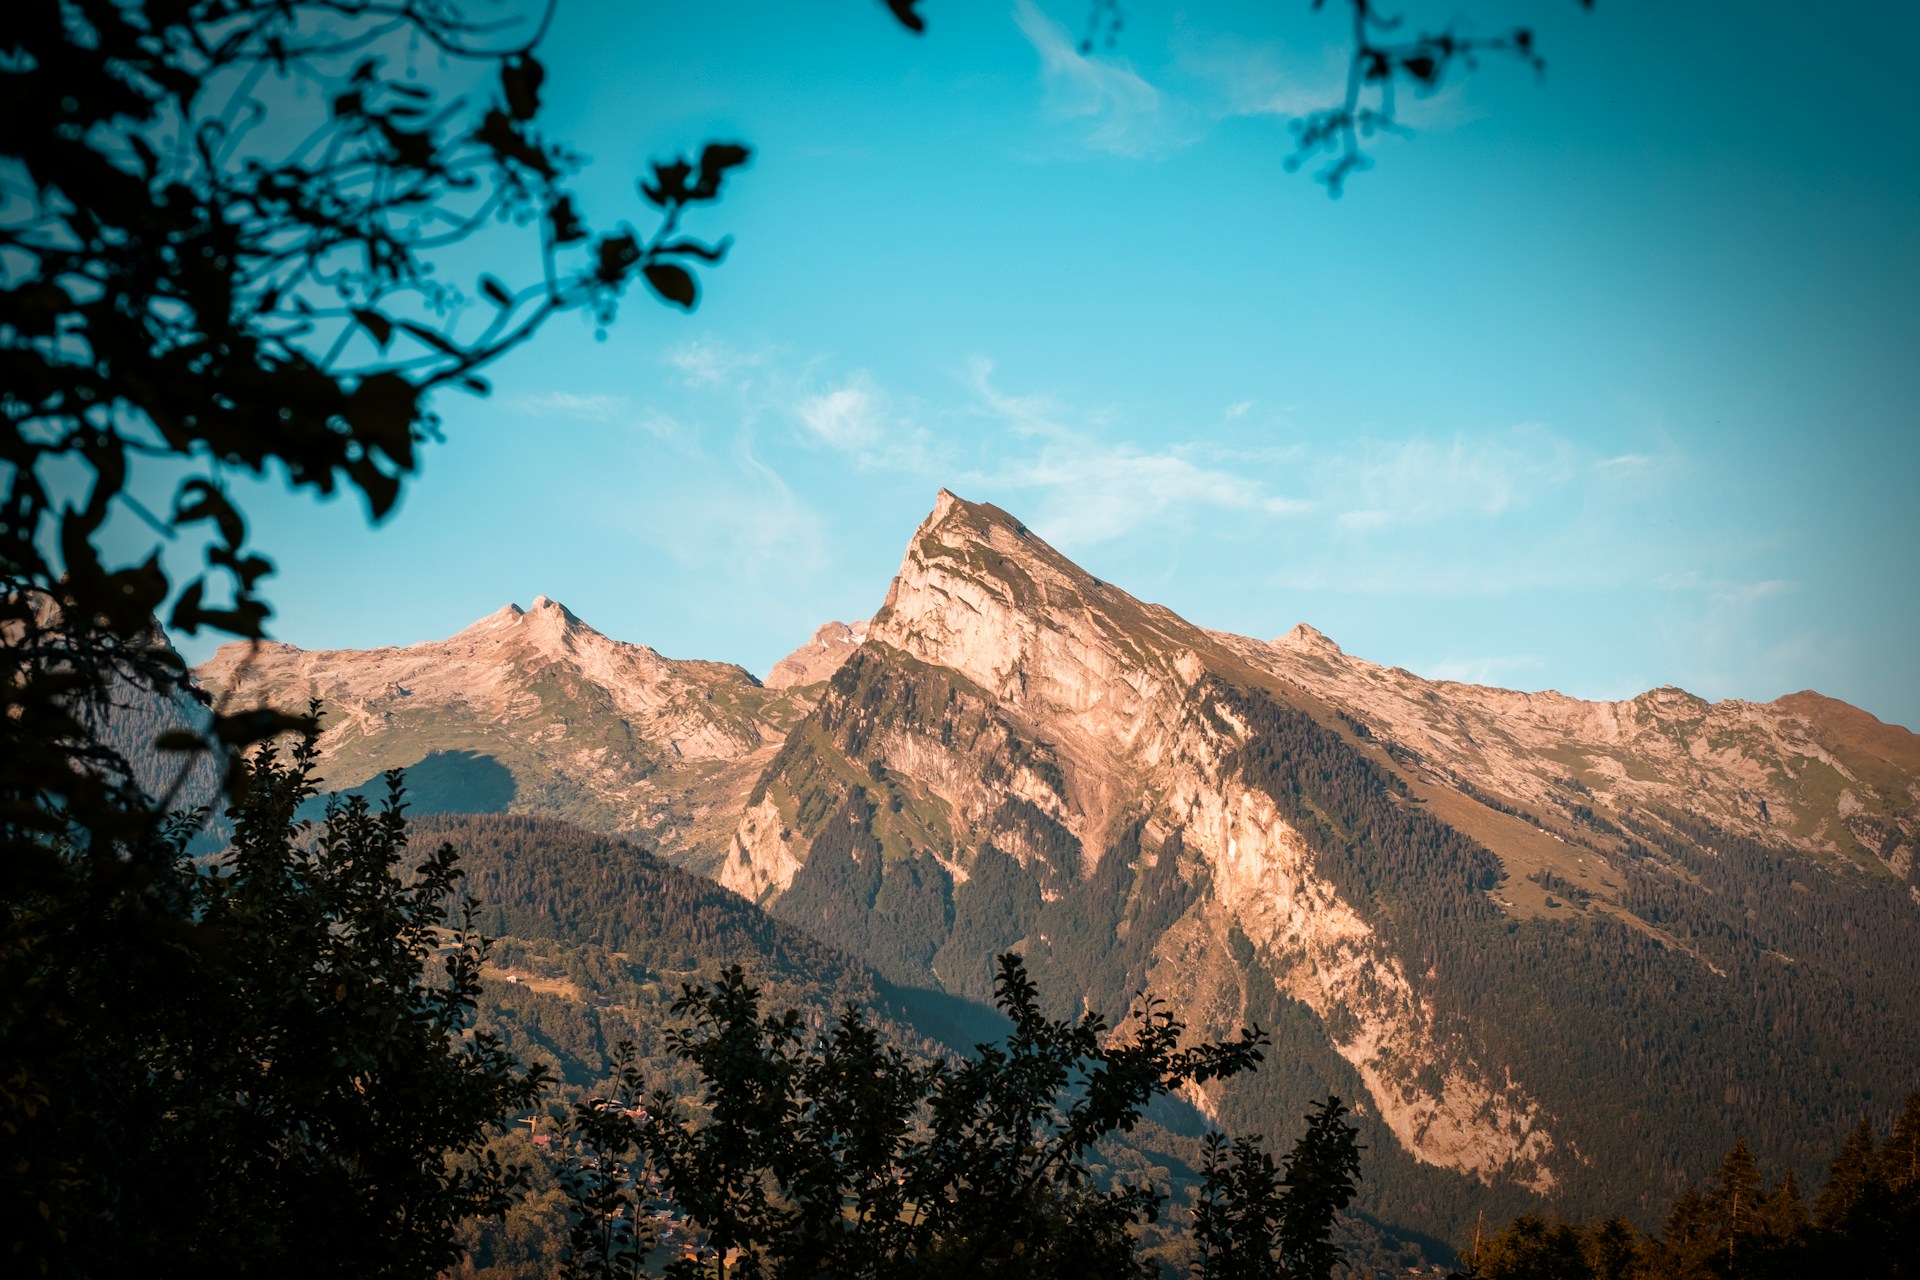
<point>534,711</point>
<point>1553,948</point>
<point>1554,945</point>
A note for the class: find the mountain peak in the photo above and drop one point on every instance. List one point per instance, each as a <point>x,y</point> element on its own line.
<point>817,659</point>
<point>547,617</point>
<point>1307,639</point>
<point>506,615</point>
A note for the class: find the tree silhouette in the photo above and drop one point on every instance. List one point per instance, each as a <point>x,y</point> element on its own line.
<point>1866,1223</point>
<point>268,1064</point>
<point>835,1154</point>
<point>1381,60</point>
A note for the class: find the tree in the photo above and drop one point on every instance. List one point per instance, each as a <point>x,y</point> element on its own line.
<point>1253,1221</point>
<point>840,1156</point>
<point>1866,1223</point>
<point>201,266</point>
<point>276,1066</point>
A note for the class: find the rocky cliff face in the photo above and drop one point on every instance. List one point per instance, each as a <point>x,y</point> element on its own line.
<point>1804,772</point>
<point>1022,755</point>
<point>819,657</point>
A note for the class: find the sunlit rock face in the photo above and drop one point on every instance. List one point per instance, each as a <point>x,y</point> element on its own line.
<point>819,657</point>
<point>1020,755</point>
<point>608,734</point>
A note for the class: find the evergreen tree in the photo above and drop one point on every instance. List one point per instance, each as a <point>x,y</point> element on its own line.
<point>1848,1178</point>
<point>1900,1157</point>
<point>1733,1206</point>
<point>1614,1252</point>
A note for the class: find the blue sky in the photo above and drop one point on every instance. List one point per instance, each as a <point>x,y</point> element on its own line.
<point>1595,384</point>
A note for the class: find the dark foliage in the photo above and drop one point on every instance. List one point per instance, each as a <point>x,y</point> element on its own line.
<point>271,1064</point>
<point>839,1155</point>
<point>1865,1222</point>
<point>218,254</point>
<point>1253,1222</point>
<point>1382,58</point>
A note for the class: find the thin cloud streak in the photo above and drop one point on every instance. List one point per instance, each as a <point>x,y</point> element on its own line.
<point>1114,108</point>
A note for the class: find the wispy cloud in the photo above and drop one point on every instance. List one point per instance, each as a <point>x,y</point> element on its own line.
<point>851,416</point>
<point>1242,77</point>
<point>592,408</point>
<point>1114,107</point>
<point>1380,484</point>
<point>707,362</point>
<point>730,514</point>
<point>1724,590</point>
<point>1090,489</point>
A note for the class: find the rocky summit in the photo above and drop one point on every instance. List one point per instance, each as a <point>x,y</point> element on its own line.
<point>1554,949</point>
<point>533,711</point>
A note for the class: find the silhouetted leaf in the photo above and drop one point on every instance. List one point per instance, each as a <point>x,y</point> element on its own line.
<point>669,185</point>
<point>673,283</point>
<point>715,159</point>
<point>564,222</point>
<point>520,79</point>
<point>377,326</point>
<point>907,11</point>
<point>616,254</point>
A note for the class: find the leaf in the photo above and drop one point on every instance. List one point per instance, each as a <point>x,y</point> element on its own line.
<point>376,324</point>
<point>565,222</point>
<point>907,13</point>
<point>495,291</point>
<point>669,185</point>
<point>616,254</point>
<point>715,159</point>
<point>202,500</point>
<point>673,283</point>
<point>520,80</point>
<point>380,413</point>
<point>438,341</point>
<point>1421,67</point>
<point>244,728</point>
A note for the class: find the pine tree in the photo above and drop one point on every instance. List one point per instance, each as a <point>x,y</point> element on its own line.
<point>1900,1158</point>
<point>1783,1214</point>
<point>1687,1243</point>
<point>1733,1204</point>
<point>1848,1177</point>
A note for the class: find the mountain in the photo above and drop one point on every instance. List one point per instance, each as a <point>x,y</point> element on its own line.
<point>1557,951</point>
<point>533,711</point>
<point>1553,946</point>
<point>818,658</point>
<point>594,937</point>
